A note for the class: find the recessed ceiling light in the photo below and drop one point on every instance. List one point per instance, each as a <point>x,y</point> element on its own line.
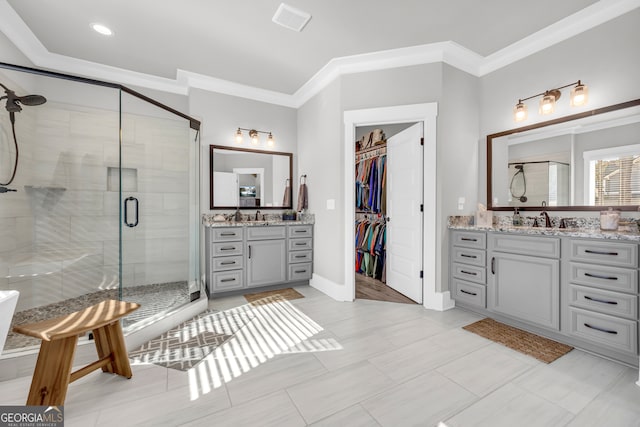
<point>102,29</point>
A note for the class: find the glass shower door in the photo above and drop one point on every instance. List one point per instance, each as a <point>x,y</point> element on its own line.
<point>158,195</point>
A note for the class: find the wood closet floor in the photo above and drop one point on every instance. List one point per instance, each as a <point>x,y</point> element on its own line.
<point>370,288</point>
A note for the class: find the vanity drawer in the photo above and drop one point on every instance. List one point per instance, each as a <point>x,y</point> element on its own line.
<point>300,271</point>
<point>602,329</point>
<point>469,293</point>
<point>547,247</point>
<point>470,272</point>
<point>299,244</point>
<point>227,249</point>
<point>607,253</point>
<point>261,232</point>
<point>600,276</point>
<point>602,301</point>
<point>227,234</point>
<point>469,256</point>
<point>227,280</point>
<point>300,231</point>
<point>227,263</point>
<point>469,239</point>
<point>300,256</point>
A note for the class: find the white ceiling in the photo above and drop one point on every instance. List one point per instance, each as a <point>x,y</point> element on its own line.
<point>235,42</point>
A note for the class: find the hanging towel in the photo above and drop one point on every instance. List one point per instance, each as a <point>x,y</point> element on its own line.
<point>286,200</point>
<point>303,195</point>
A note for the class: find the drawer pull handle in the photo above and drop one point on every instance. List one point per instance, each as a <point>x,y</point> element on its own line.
<point>600,300</point>
<point>227,234</point>
<point>300,256</point>
<point>493,265</point>
<point>300,271</point>
<point>249,251</point>
<point>228,280</point>
<point>228,248</point>
<point>469,256</point>
<point>598,276</point>
<point>301,244</point>
<point>608,331</point>
<point>300,231</point>
<point>589,251</point>
<point>467,239</point>
<point>469,272</point>
<point>228,263</point>
<point>468,293</point>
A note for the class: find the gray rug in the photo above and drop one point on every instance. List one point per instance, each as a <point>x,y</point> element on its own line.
<point>187,344</point>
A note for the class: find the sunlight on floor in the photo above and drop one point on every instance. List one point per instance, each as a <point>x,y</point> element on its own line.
<point>277,327</point>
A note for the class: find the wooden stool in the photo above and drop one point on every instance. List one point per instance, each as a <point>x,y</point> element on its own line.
<point>59,336</point>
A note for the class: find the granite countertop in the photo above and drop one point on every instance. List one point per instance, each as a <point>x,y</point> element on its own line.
<point>269,220</point>
<point>590,233</point>
<point>588,228</point>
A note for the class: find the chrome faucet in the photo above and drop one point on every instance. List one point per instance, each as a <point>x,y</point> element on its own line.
<point>257,212</point>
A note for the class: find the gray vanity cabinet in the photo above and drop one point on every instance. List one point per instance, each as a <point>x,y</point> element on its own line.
<point>524,278</point>
<point>249,256</point>
<point>602,295</point>
<point>225,259</point>
<point>266,250</point>
<point>468,268</point>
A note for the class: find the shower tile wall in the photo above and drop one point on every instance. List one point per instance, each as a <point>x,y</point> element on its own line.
<point>59,232</point>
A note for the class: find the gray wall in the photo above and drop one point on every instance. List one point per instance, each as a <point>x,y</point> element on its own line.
<point>221,116</point>
<point>320,149</point>
<point>606,58</point>
<point>321,134</point>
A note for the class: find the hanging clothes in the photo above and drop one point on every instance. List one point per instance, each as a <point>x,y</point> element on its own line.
<point>370,241</point>
<point>370,184</point>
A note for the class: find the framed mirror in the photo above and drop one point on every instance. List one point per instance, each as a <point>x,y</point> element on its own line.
<point>249,179</point>
<point>585,161</point>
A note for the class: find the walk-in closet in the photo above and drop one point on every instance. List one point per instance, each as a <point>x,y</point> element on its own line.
<point>373,174</point>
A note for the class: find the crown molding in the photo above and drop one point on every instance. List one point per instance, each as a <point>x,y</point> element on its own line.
<point>581,21</point>
<point>444,52</point>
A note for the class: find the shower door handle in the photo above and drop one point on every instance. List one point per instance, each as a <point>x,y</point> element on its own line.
<point>126,216</point>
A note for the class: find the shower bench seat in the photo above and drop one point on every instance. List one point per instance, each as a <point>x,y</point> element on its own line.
<point>59,336</point>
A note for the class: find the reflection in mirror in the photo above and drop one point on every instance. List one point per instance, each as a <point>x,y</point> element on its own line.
<point>245,178</point>
<point>581,162</point>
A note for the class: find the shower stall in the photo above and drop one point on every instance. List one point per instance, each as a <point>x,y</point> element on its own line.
<point>99,199</point>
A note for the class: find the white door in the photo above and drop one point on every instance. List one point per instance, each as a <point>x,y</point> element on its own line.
<point>225,189</point>
<point>404,197</point>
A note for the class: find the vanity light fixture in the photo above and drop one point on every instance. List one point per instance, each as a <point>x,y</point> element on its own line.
<point>254,136</point>
<point>579,97</point>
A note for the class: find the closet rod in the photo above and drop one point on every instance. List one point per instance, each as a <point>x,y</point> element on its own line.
<point>375,147</point>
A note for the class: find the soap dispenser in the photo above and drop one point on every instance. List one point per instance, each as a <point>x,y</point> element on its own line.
<point>517,218</point>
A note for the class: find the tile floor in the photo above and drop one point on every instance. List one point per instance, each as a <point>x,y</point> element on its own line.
<point>315,361</point>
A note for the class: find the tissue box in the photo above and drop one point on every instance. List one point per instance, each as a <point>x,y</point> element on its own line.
<point>484,219</point>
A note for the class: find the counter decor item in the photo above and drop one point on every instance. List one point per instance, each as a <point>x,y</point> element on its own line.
<point>609,220</point>
<point>484,218</point>
<point>289,215</point>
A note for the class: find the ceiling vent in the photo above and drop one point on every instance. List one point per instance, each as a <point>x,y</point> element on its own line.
<point>290,17</point>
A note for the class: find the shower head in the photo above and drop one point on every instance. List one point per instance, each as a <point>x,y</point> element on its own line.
<point>14,101</point>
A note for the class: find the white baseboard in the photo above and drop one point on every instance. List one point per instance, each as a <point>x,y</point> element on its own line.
<point>332,289</point>
<point>439,301</point>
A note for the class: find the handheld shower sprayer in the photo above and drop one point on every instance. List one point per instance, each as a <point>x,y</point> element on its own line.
<point>14,105</point>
